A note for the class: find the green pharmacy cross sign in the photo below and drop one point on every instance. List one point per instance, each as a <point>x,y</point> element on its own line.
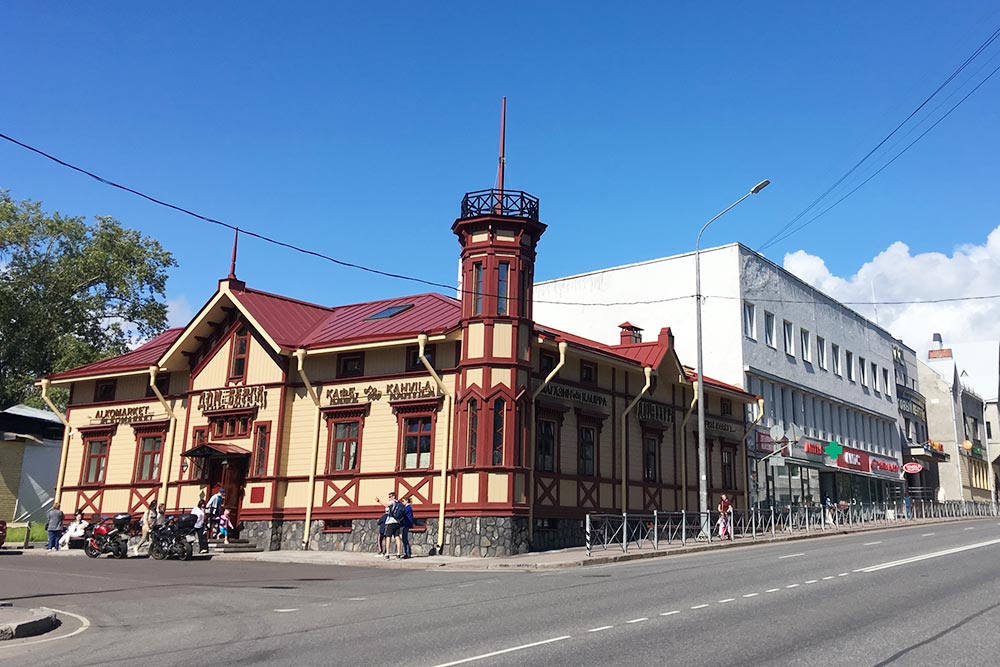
<point>833,450</point>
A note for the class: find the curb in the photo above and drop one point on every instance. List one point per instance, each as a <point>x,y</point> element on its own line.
<point>18,623</point>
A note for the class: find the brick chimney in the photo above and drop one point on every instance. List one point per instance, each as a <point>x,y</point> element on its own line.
<point>941,352</point>
<point>630,333</point>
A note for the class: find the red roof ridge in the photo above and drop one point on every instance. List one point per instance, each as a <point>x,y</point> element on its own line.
<point>120,362</point>
<point>692,374</point>
<point>282,297</point>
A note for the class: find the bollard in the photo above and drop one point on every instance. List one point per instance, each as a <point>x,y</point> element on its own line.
<point>588,536</point>
<point>656,530</point>
<point>684,528</point>
<point>27,535</point>
<point>624,532</point>
<point>772,521</point>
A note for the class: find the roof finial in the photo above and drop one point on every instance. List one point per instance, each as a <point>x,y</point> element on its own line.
<point>503,158</point>
<point>232,264</point>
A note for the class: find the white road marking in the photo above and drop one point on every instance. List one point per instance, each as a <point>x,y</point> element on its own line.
<point>812,581</point>
<point>502,651</point>
<point>325,604</point>
<point>638,620</point>
<point>936,554</point>
<point>772,590</point>
<point>843,574</point>
<point>356,599</point>
<point>927,535</point>
<point>828,578</point>
<point>790,556</point>
<point>753,595</point>
<point>603,627</point>
<point>285,611</point>
<point>792,586</point>
<point>970,528</point>
<point>871,544</point>
<point>726,600</point>
<point>465,585</point>
<point>699,606</point>
<point>84,625</point>
<point>670,613</point>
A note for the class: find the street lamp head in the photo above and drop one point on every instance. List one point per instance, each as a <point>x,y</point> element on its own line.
<point>760,186</point>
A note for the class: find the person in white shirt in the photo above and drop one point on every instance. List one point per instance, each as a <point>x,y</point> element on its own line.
<point>148,521</point>
<point>75,531</point>
<point>199,526</point>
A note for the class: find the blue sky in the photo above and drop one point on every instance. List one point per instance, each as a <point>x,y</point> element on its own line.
<point>356,131</point>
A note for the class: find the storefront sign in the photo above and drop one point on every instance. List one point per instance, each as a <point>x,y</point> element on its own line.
<point>913,467</point>
<point>763,443</point>
<point>651,411</point>
<point>401,391</point>
<point>576,395</point>
<point>810,450</point>
<point>141,413</point>
<point>854,459</point>
<point>885,467</point>
<point>349,395</point>
<point>723,429</point>
<point>233,398</point>
<point>915,409</point>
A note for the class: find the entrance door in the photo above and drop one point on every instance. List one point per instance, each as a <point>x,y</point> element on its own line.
<point>230,473</point>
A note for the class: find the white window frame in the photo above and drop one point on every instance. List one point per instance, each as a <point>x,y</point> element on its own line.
<point>806,345</point>
<point>821,352</point>
<point>874,369</point>
<point>749,320</point>
<point>862,372</point>
<point>788,337</point>
<point>769,329</point>
<point>849,364</point>
<point>885,383</point>
<point>835,356</point>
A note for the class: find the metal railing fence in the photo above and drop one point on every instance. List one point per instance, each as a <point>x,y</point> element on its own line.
<point>652,530</point>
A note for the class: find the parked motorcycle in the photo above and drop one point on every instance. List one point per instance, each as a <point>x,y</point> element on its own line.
<point>102,538</point>
<point>175,538</point>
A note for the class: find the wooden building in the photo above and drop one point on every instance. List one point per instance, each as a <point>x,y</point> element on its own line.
<point>504,432</point>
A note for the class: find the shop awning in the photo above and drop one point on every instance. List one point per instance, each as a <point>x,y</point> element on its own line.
<point>215,449</point>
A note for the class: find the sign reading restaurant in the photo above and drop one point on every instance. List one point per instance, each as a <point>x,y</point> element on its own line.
<point>576,395</point>
<point>233,398</point>
<point>141,413</point>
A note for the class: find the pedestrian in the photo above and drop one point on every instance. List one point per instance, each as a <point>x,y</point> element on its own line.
<point>225,526</point>
<point>77,529</point>
<point>199,526</point>
<point>381,531</point>
<point>161,514</point>
<point>213,510</point>
<point>908,503</point>
<point>406,525</point>
<point>725,507</point>
<point>148,521</point>
<point>393,522</point>
<point>830,507</point>
<point>54,524</point>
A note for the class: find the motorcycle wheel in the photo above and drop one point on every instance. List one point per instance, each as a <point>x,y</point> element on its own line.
<point>121,550</point>
<point>156,551</point>
<point>91,549</point>
<point>185,551</point>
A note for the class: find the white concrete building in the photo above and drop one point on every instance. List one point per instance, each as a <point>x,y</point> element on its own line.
<point>825,372</point>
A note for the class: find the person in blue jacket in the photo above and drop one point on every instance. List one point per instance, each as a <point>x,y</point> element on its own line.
<point>407,524</point>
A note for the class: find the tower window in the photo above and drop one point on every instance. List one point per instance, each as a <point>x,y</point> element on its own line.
<point>503,273</point>
<point>477,288</point>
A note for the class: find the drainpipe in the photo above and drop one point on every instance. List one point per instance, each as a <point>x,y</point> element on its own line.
<point>421,344</point>
<point>684,449</point>
<point>67,432</point>
<point>168,459</point>
<point>531,440</point>
<point>642,392</point>
<point>300,355</point>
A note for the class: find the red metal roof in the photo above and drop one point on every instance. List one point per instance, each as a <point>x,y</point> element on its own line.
<point>647,354</point>
<point>286,321</point>
<point>141,357</point>
<point>430,313</point>
<point>580,341</point>
<point>692,375</point>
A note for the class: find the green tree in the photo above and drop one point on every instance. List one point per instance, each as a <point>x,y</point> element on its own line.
<point>71,293</point>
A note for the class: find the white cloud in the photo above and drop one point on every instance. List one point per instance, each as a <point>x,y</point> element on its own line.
<point>897,275</point>
<point>179,312</point>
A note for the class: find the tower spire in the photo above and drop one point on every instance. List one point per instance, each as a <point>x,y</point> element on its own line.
<point>503,158</point>
<point>232,263</point>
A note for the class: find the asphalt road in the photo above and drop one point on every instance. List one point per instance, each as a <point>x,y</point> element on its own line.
<point>845,600</point>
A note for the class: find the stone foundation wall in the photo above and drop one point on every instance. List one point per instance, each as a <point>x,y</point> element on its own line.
<point>563,533</point>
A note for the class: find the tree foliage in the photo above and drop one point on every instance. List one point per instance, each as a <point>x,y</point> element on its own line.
<point>72,292</point>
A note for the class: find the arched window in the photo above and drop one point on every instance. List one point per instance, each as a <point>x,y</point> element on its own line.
<point>473,430</point>
<point>499,406</point>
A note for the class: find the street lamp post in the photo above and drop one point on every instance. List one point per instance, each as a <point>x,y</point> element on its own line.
<point>702,464</point>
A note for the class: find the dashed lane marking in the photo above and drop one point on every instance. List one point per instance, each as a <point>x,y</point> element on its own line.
<point>927,535</point>
<point>828,578</point>
<point>843,574</point>
<point>285,611</point>
<point>812,581</point>
<point>871,544</point>
<point>603,627</point>
<point>792,586</point>
<point>638,620</point>
<point>772,590</point>
<point>699,606</point>
<point>357,599</point>
<point>790,556</point>
<point>752,595</point>
<point>502,651</point>
<point>726,600</point>
<point>670,613</point>
<point>970,528</point>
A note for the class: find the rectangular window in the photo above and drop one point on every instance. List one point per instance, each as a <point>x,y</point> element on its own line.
<point>417,435</point>
<point>499,413</point>
<point>728,469</point>
<point>725,407</point>
<point>477,288</point>
<point>240,351</point>
<point>104,390</point>
<point>545,446</point>
<point>162,384</point>
<point>885,382</point>
<point>849,363</point>
<point>147,468</point>
<point>413,363</point>
<point>342,453</point>
<point>588,372</point>
<point>875,376</point>
<point>199,437</point>
<point>650,445</point>
<point>749,321</point>
<point>789,342</point>
<point>338,525</point>
<point>95,461</point>
<point>588,439</point>
<point>989,430</point>
<point>835,356</point>
<point>503,275</point>
<point>546,362</point>
<point>821,352</point>
<point>351,365</point>
<point>473,431</point>
<point>806,347</point>
<point>862,373</point>
<point>769,328</point>
<point>260,443</point>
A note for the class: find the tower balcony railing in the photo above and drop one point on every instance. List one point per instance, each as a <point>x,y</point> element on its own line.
<point>514,203</point>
